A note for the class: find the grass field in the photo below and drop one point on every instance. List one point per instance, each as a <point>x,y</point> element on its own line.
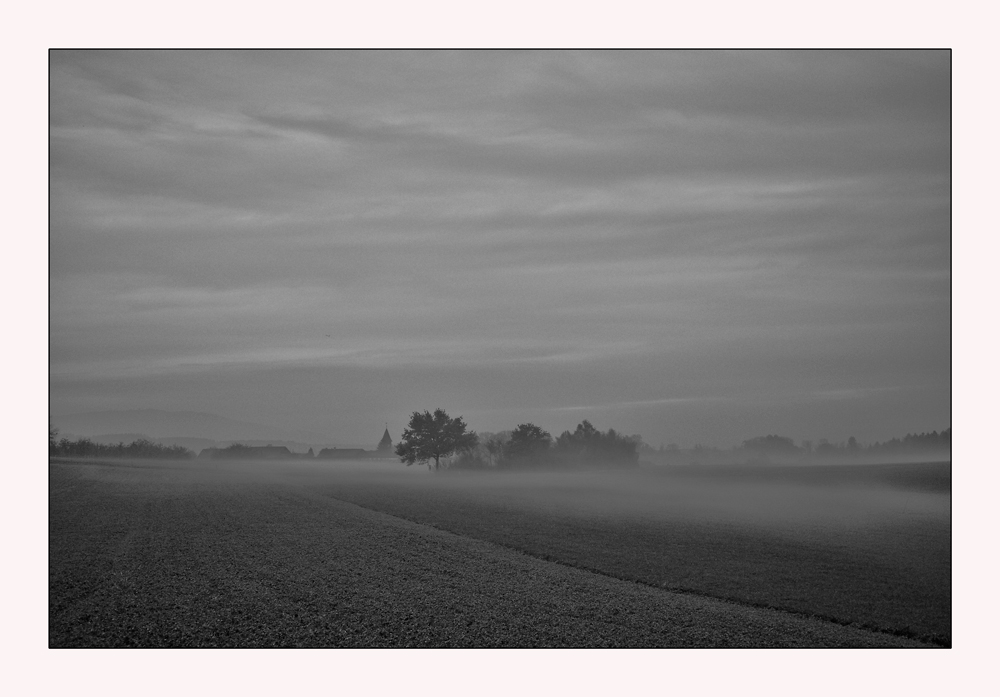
<point>368,554</point>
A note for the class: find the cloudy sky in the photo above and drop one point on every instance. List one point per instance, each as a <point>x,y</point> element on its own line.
<point>700,247</point>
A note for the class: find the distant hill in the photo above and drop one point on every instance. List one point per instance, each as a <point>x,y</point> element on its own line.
<point>177,426</point>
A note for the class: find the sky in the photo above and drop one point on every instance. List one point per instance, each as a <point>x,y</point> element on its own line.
<point>698,247</point>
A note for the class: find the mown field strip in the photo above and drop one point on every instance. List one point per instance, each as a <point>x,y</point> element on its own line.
<point>175,558</point>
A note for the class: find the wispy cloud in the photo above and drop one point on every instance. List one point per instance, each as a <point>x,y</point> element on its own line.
<point>852,393</point>
<point>642,403</point>
<point>752,217</point>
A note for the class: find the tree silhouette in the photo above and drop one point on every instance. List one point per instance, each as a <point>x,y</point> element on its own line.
<point>433,436</point>
<point>140,448</point>
<point>528,442</point>
<point>770,444</point>
<point>588,445</point>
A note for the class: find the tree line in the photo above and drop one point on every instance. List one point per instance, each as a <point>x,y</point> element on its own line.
<point>779,450</point>
<point>443,442</point>
<point>139,448</point>
<point>440,441</point>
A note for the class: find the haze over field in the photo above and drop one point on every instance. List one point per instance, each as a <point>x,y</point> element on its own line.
<point>699,247</point>
<point>306,555</point>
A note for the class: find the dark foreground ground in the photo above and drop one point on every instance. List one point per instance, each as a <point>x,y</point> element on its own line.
<point>184,555</point>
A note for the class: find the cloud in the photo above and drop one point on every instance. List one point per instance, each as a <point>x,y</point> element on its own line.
<point>640,403</point>
<point>760,219</point>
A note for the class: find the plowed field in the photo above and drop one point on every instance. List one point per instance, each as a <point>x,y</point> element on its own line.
<point>189,555</point>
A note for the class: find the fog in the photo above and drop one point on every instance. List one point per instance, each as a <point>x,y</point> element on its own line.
<point>864,545</point>
<point>793,502</point>
<point>759,500</point>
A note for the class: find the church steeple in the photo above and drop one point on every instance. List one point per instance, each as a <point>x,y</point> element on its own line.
<point>386,442</point>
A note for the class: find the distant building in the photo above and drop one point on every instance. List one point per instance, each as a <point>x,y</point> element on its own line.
<point>238,451</point>
<point>385,445</point>
<point>382,451</point>
<point>343,454</point>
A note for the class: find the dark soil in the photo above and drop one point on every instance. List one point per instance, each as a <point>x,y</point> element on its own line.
<point>188,557</point>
